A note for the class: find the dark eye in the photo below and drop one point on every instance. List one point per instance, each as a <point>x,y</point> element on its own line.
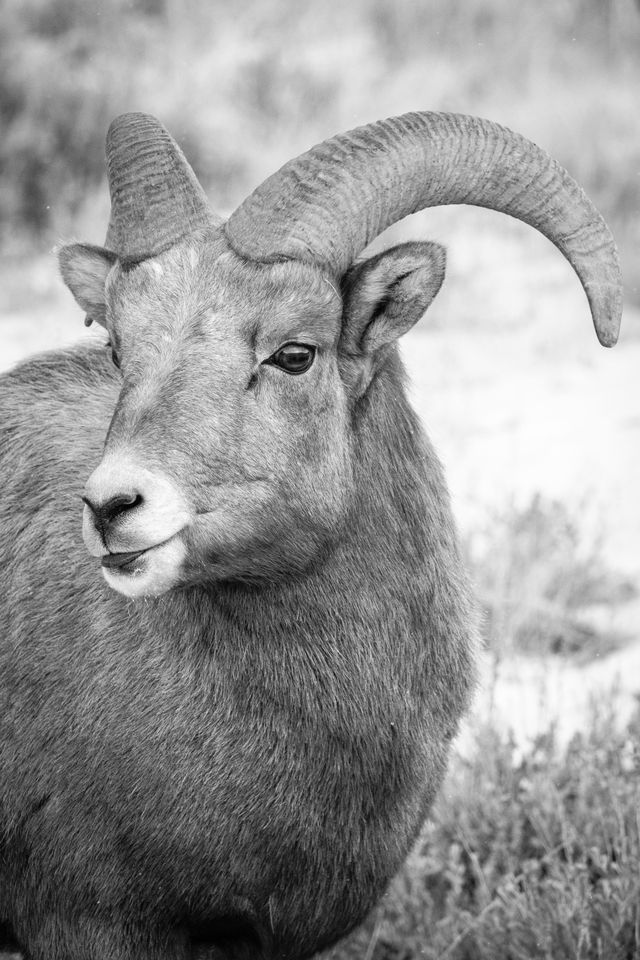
<point>293,357</point>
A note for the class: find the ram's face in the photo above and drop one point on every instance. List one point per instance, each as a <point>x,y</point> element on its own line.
<point>230,450</point>
<point>228,453</point>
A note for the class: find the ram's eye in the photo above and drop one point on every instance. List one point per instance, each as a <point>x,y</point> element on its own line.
<point>114,355</point>
<point>293,357</point>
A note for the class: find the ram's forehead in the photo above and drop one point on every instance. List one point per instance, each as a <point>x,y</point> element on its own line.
<point>168,278</point>
<point>280,299</point>
<point>289,282</point>
<point>194,280</point>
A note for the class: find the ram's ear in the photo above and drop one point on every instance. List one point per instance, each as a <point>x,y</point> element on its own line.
<point>385,295</point>
<point>84,269</point>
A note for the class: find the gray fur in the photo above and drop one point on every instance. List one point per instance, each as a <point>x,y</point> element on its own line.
<point>236,767</point>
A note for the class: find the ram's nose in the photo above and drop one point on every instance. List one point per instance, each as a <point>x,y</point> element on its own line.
<point>108,510</point>
<point>129,507</point>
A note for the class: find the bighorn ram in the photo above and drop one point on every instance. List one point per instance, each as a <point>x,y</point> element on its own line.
<point>225,744</point>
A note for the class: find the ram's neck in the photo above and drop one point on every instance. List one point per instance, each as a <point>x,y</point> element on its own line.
<point>380,625</point>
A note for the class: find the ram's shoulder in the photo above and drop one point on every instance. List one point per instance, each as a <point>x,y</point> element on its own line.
<point>59,377</point>
<point>54,411</point>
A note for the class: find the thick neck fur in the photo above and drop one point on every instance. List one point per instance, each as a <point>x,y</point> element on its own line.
<point>346,640</point>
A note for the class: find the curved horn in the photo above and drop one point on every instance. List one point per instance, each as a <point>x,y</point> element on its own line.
<point>155,196</point>
<point>329,203</point>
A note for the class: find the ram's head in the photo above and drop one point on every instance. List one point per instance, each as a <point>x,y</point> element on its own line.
<point>252,352</point>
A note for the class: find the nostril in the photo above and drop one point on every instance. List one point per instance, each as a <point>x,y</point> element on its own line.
<point>114,506</point>
<point>122,502</point>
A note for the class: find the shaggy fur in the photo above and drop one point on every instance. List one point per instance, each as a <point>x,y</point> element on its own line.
<point>237,767</point>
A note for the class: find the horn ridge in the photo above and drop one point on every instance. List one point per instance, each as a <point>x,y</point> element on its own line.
<point>329,203</point>
<point>156,199</point>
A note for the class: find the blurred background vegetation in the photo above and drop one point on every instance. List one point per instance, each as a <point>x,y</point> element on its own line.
<point>534,849</point>
<point>544,586</point>
<point>245,85</point>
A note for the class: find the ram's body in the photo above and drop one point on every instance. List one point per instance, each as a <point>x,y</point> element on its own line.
<point>258,752</point>
<point>235,761</point>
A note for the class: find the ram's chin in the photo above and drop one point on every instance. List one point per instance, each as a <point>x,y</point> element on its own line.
<point>152,573</point>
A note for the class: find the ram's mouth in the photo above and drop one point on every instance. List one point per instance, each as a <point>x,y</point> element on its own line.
<point>123,562</point>
<point>147,572</point>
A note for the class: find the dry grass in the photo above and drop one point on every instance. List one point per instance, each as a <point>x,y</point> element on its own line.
<point>533,857</point>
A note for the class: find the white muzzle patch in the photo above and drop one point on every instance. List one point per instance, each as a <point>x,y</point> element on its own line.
<point>149,526</point>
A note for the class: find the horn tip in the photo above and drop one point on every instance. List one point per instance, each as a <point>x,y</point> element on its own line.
<point>607,338</point>
<point>607,316</point>
<point>128,121</point>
